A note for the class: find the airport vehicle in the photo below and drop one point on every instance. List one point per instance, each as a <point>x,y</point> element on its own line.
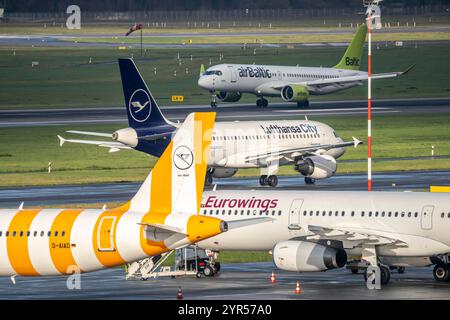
<point>228,82</point>
<point>311,146</point>
<point>163,215</point>
<point>317,230</point>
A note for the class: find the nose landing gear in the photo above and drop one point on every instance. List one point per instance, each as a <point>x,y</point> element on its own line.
<point>262,103</point>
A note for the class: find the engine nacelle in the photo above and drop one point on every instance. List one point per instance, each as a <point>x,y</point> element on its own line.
<point>295,93</point>
<point>127,136</point>
<point>307,256</point>
<point>317,167</point>
<point>224,172</point>
<point>229,96</point>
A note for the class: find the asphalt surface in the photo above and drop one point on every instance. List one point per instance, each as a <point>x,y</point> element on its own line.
<point>226,112</point>
<point>112,192</point>
<point>236,281</point>
<point>73,40</point>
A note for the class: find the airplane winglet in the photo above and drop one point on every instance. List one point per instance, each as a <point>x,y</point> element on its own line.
<point>356,142</point>
<point>61,140</point>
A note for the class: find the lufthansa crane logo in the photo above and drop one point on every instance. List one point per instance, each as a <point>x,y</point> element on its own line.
<point>140,105</point>
<point>183,158</point>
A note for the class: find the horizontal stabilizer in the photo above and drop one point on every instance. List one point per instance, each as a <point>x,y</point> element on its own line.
<point>89,133</point>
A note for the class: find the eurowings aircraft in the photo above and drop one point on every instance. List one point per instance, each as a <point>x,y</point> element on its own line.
<point>311,147</point>
<point>228,82</point>
<point>319,230</point>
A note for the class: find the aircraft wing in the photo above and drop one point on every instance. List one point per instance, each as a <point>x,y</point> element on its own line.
<point>356,78</point>
<point>356,235</point>
<point>112,145</point>
<point>291,153</point>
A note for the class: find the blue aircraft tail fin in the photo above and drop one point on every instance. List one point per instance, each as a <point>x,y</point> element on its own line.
<point>142,109</point>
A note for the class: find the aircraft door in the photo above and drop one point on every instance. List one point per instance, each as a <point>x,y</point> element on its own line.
<point>232,74</point>
<point>105,237</point>
<point>294,214</point>
<point>279,75</point>
<point>426,219</point>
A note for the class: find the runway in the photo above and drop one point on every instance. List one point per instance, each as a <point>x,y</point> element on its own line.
<point>226,112</point>
<point>245,281</point>
<point>117,192</point>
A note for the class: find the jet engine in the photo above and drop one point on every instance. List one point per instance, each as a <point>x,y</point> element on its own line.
<point>224,172</point>
<point>127,136</point>
<point>229,96</point>
<point>295,93</point>
<point>317,167</point>
<point>307,256</point>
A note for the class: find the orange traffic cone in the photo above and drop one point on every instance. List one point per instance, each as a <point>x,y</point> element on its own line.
<point>297,288</point>
<point>272,278</point>
<point>180,294</point>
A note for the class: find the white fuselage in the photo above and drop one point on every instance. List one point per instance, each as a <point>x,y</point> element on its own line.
<point>234,142</point>
<point>267,80</point>
<point>422,220</point>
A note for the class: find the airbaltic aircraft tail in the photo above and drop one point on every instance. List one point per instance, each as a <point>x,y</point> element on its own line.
<point>142,109</point>
<point>351,59</point>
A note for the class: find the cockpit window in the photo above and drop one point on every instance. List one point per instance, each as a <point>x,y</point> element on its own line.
<point>211,72</point>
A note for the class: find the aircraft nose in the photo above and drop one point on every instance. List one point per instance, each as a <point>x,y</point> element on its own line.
<point>203,83</point>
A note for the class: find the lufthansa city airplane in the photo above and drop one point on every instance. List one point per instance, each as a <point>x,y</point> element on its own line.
<point>311,147</point>
<point>318,230</point>
<point>163,215</point>
<point>227,82</point>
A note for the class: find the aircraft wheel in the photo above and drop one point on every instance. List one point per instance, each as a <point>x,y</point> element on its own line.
<point>385,275</point>
<point>208,179</point>
<point>354,270</point>
<point>259,103</point>
<point>264,103</point>
<point>309,180</point>
<point>263,180</point>
<point>272,180</point>
<point>401,269</point>
<point>441,273</point>
<point>213,104</point>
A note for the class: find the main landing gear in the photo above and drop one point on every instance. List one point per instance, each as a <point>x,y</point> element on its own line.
<point>271,180</point>
<point>309,181</point>
<point>303,104</point>
<point>262,103</point>
<point>441,272</point>
<point>385,275</point>
<point>208,178</point>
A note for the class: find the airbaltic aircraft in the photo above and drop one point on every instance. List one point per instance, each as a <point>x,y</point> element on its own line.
<point>318,230</point>
<point>227,82</point>
<point>161,216</point>
<point>312,147</point>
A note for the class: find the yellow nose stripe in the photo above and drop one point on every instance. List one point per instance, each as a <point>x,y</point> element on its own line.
<point>17,242</point>
<point>60,245</point>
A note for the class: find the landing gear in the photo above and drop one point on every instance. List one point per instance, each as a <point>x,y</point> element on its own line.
<point>303,104</point>
<point>262,103</point>
<point>208,178</point>
<point>263,180</point>
<point>385,275</point>
<point>213,100</point>
<point>271,180</point>
<point>441,272</point>
<point>310,181</point>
